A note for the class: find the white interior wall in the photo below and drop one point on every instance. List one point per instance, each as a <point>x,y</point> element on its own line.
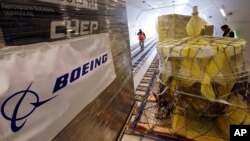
<point>238,20</point>
<point>138,19</point>
<point>243,31</point>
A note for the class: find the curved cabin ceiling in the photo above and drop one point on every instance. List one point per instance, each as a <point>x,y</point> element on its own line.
<point>236,10</point>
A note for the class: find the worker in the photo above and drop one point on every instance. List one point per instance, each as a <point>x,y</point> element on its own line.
<point>227,31</point>
<point>141,37</point>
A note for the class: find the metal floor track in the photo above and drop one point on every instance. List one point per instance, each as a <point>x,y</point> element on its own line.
<point>142,93</point>
<point>139,57</point>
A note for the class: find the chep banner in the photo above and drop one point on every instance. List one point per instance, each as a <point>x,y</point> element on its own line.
<point>44,86</point>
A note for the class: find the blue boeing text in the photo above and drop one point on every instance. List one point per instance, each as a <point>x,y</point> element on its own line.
<point>76,73</point>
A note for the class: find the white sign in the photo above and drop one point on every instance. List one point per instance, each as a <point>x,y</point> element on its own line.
<point>43,89</point>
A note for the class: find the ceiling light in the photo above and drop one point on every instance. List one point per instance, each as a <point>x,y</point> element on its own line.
<point>222,12</point>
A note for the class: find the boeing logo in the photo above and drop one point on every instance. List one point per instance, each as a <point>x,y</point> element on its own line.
<point>18,115</point>
<point>14,118</point>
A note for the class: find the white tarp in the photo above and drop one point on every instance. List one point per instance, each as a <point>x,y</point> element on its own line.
<point>43,89</point>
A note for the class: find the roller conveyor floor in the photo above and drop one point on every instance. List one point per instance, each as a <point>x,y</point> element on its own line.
<point>140,56</point>
<point>145,66</point>
<point>144,85</point>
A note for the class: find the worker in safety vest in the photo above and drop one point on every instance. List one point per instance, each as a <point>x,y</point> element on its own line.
<point>141,37</point>
<point>227,31</point>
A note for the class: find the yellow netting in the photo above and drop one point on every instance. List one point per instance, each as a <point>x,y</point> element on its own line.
<point>203,72</point>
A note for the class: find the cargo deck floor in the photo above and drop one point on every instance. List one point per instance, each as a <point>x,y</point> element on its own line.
<point>142,80</point>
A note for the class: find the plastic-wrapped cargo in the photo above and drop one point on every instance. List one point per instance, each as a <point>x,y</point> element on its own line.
<point>206,83</point>
<point>45,41</point>
<point>202,76</point>
<point>174,26</point>
<point>167,26</point>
